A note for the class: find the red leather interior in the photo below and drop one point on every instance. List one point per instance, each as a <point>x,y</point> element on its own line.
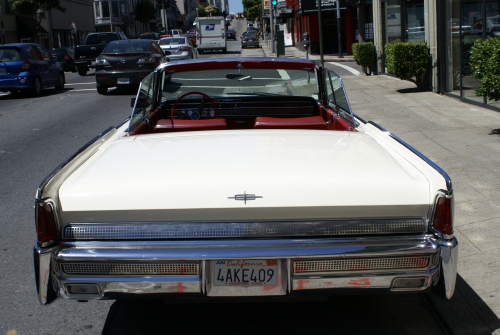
<point>308,122</point>
<point>165,125</point>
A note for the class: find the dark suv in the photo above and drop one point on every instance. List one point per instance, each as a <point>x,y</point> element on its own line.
<point>150,36</point>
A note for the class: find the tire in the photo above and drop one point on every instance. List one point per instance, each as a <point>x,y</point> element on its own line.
<point>37,88</point>
<point>82,72</point>
<point>60,85</point>
<point>74,69</point>
<point>102,89</point>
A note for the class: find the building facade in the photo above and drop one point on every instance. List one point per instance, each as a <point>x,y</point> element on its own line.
<point>448,27</point>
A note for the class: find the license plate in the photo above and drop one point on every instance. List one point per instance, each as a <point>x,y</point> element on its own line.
<point>123,81</point>
<point>246,273</point>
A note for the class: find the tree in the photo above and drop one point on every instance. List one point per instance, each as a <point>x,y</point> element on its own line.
<point>201,11</point>
<point>145,11</point>
<point>211,10</point>
<point>30,7</point>
<point>252,9</point>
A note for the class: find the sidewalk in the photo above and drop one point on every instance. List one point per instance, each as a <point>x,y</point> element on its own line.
<point>464,140</point>
<point>294,52</point>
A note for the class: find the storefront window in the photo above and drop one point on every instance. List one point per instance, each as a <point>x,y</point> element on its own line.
<point>393,21</point>
<point>493,29</point>
<point>415,23</point>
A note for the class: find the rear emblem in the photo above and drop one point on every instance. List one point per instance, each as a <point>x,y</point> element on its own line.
<point>244,197</point>
<point>122,61</point>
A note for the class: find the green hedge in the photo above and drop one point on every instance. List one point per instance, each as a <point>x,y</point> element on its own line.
<point>364,56</point>
<point>408,61</point>
<point>485,66</point>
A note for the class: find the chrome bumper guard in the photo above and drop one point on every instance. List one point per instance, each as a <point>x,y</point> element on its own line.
<point>51,278</point>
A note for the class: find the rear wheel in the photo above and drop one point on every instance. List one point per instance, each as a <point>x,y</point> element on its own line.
<point>102,89</point>
<point>37,89</point>
<point>60,85</point>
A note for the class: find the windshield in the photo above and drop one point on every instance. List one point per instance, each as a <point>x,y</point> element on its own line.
<point>172,41</point>
<point>234,82</point>
<point>126,47</point>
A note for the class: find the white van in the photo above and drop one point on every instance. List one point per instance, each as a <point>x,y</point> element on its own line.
<point>211,34</point>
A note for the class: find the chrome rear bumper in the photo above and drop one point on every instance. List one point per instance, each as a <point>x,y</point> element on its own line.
<point>374,264</point>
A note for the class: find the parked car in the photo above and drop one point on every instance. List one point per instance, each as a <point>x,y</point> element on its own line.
<point>29,67</point>
<point>175,32</point>
<point>191,37</point>
<point>253,30</point>
<point>150,36</point>
<point>126,63</point>
<point>65,57</point>
<point>231,34</point>
<point>238,177</point>
<point>250,39</point>
<point>178,48</point>
<point>86,54</point>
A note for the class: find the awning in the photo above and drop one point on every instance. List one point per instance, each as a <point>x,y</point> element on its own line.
<point>28,22</point>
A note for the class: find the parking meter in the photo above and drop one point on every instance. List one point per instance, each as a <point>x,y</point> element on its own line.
<point>306,43</point>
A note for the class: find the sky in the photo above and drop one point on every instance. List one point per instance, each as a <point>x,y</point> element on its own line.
<point>235,6</point>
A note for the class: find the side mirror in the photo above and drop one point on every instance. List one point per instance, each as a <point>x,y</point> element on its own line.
<point>132,102</point>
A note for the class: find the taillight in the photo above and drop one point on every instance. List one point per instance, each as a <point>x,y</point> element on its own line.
<point>443,215</point>
<point>184,48</point>
<point>46,224</point>
<point>26,65</point>
<point>67,58</point>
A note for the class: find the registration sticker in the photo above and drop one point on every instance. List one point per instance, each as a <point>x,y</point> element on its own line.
<point>245,272</point>
<point>123,81</point>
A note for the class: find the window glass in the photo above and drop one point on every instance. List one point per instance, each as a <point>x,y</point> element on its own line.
<point>119,47</point>
<point>337,97</point>
<point>415,23</point>
<point>45,54</point>
<point>97,9</point>
<point>10,55</point>
<point>115,8</point>
<point>33,53</point>
<point>393,21</point>
<point>144,102</point>
<point>172,41</point>
<point>105,9</point>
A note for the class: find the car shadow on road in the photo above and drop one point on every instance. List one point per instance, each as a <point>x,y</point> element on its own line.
<point>466,313</point>
<point>375,314</point>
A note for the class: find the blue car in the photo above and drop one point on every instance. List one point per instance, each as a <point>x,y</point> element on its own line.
<point>29,67</point>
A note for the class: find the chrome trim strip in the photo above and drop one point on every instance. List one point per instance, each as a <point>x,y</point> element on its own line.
<point>359,118</point>
<point>42,259</point>
<point>449,263</point>
<point>386,281</point>
<point>204,230</point>
<point>419,154</point>
<point>66,162</point>
<point>133,251</point>
<point>132,285</point>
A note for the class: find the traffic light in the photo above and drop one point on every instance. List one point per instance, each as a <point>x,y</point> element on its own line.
<point>274,3</point>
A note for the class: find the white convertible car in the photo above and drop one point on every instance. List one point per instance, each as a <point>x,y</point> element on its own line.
<point>244,177</point>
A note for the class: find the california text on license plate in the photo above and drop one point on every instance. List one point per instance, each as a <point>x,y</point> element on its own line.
<point>123,81</point>
<point>246,272</point>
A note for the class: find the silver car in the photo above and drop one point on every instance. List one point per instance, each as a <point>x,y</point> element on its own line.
<point>179,47</point>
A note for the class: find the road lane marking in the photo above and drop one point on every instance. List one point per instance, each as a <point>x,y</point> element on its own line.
<point>284,75</point>
<point>348,68</point>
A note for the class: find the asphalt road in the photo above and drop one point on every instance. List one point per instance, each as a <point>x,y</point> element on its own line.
<point>36,134</point>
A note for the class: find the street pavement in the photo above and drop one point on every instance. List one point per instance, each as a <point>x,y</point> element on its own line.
<point>464,140</point>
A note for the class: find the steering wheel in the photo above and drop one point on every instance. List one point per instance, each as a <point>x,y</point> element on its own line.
<point>212,102</point>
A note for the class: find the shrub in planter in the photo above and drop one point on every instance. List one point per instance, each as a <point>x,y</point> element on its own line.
<point>408,61</point>
<point>364,56</point>
<point>485,66</point>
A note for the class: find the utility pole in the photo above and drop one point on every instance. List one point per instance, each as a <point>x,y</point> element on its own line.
<point>338,28</point>
<point>271,22</point>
